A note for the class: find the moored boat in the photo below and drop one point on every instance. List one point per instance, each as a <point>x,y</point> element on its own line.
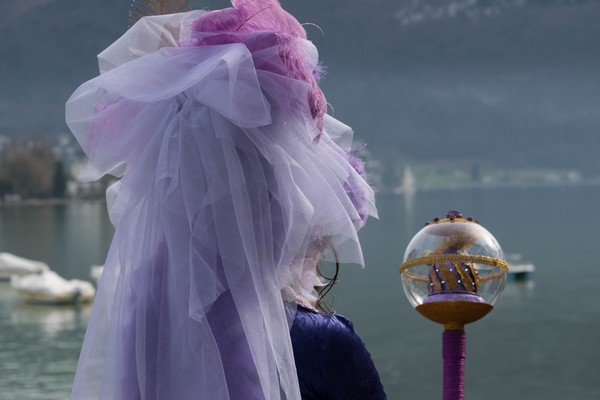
<point>50,288</point>
<point>11,264</point>
<point>519,269</point>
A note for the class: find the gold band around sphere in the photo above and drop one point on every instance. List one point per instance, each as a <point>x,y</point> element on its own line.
<point>478,259</point>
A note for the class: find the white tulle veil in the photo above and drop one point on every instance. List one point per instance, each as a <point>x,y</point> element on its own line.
<point>222,188</point>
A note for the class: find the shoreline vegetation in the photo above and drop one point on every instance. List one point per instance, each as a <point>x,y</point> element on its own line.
<point>42,171</point>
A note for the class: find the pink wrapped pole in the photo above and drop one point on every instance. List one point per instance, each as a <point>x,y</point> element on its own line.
<point>454,353</point>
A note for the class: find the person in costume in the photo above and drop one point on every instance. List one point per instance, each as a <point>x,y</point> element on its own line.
<point>234,183</point>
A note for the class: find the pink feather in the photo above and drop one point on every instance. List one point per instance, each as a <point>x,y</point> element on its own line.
<point>260,24</point>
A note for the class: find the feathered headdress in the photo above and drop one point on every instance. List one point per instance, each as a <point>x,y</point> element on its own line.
<point>263,23</point>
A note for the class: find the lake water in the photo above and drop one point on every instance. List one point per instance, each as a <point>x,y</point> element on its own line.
<point>540,342</point>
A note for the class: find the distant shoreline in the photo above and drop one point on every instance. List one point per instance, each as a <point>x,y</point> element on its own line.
<point>383,191</point>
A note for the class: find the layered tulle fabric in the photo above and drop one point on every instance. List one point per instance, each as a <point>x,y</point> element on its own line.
<point>223,189</point>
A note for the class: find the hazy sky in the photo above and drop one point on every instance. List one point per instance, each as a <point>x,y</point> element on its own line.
<point>507,81</point>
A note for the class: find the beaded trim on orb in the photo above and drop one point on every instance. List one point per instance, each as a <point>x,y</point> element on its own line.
<point>478,259</point>
<point>452,216</point>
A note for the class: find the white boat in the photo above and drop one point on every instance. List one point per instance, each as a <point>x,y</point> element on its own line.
<point>519,269</point>
<point>14,265</point>
<point>48,287</point>
<point>409,184</point>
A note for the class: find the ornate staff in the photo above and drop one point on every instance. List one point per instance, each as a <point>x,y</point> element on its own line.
<point>453,273</point>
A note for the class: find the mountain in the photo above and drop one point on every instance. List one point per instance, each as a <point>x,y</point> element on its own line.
<point>505,82</point>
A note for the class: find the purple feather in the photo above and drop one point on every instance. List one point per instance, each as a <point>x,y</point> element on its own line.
<point>260,24</point>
